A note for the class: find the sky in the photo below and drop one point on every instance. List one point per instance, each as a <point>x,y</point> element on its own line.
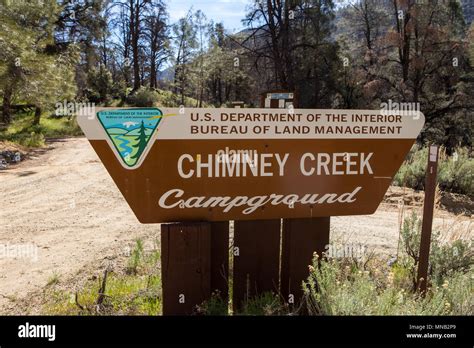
<point>230,12</point>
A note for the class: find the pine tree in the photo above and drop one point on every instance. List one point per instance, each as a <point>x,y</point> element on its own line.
<point>185,41</point>
<point>30,66</point>
<point>142,141</point>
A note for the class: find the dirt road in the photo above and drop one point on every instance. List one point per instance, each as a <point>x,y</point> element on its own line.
<point>63,203</point>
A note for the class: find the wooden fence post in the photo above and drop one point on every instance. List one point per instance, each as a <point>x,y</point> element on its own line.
<point>428,207</point>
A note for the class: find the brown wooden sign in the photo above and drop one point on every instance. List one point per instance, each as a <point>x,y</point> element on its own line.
<point>245,164</point>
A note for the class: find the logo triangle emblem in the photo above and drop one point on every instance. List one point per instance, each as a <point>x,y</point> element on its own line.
<point>130,131</point>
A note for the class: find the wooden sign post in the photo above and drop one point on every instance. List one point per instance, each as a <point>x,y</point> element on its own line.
<point>300,238</point>
<point>195,263</point>
<point>199,168</point>
<point>185,266</point>
<point>428,207</point>
<point>258,243</point>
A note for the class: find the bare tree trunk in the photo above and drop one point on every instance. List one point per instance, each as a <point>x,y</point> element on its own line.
<point>7,101</point>
<point>136,69</point>
<point>201,96</point>
<point>135,36</point>
<point>37,118</point>
<point>153,83</point>
<point>219,90</point>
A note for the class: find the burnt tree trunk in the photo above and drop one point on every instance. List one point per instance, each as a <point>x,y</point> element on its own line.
<point>153,74</point>
<point>7,101</point>
<point>135,37</point>
<point>37,118</point>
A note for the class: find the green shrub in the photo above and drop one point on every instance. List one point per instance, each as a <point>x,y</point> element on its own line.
<point>33,140</point>
<point>170,99</point>
<point>458,291</point>
<point>214,306</point>
<point>412,172</point>
<point>267,303</point>
<point>342,287</point>
<point>143,97</point>
<point>100,85</point>
<point>402,276</point>
<point>335,289</point>
<point>125,295</point>
<point>455,173</point>
<point>167,99</point>
<point>137,291</point>
<point>21,130</point>
<point>135,258</point>
<point>445,259</point>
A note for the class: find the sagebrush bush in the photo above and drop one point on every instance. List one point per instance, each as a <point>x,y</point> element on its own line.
<point>344,287</point>
<point>412,172</point>
<point>445,259</point>
<point>335,289</point>
<point>455,173</point>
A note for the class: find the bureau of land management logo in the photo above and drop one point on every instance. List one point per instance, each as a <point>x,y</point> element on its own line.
<point>130,131</point>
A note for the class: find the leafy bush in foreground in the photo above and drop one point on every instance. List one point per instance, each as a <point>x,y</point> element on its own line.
<point>342,287</point>
<point>333,289</point>
<point>445,259</point>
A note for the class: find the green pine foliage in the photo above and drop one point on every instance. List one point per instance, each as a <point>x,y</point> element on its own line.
<point>31,71</point>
